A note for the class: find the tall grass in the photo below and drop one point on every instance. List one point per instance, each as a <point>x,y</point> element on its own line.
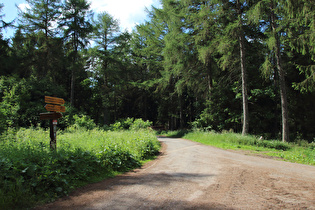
<point>230,140</point>
<point>30,173</point>
<point>292,152</point>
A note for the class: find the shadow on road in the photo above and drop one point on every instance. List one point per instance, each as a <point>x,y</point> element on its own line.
<point>149,180</point>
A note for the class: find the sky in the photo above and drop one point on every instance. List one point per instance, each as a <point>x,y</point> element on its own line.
<point>128,12</point>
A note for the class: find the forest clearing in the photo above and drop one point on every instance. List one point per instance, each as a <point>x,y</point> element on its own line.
<point>233,74</point>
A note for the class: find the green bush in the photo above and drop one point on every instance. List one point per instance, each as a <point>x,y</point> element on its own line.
<point>83,121</point>
<point>130,123</point>
<point>31,173</point>
<point>140,124</point>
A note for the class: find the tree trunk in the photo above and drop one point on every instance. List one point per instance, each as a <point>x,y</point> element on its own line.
<point>283,92</point>
<point>209,77</point>
<point>244,75</point>
<point>72,88</point>
<point>75,40</point>
<point>244,87</point>
<point>181,112</point>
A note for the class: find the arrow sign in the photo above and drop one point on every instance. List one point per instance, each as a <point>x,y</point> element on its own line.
<point>54,100</point>
<point>55,108</point>
<point>50,116</point>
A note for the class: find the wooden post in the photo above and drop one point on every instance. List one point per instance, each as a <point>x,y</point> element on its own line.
<point>54,108</point>
<point>53,134</point>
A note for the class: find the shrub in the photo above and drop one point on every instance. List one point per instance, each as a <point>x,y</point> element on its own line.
<point>130,123</point>
<point>140,124</point>
<point>30,172</point>
<point>83,121</point>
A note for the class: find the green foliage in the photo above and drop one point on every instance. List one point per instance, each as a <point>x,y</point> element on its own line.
<point>31,173</point>
<point>223,112</point>
<point>179,68</point>
<point>131,124</point>
<point>83,121</point>
<point>140,124</point>
<point>22,100</point>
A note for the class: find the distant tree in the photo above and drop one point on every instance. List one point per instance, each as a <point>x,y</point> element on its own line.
<point>76,26</point>
<point>202,15</point>
<point>3,24</point>
<point>40,21</point>
<point>5,51</point>
<point>105,34</point>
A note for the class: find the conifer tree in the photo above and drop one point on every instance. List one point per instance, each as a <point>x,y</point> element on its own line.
<point>105,34</point>
<point>202,15</point>
<point>301,35</point>
<point>4,47</point>
<point>40,21</point>
<point>232,15</point>
<point>272,14</point>
<point>76,26</point>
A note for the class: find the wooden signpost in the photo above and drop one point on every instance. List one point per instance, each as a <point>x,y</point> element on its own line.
<point>54,106</point>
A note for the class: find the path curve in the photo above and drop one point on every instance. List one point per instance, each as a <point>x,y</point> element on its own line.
<point>190,175</point>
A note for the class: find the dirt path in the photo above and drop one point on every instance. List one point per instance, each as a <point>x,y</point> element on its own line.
<point>189,175</point>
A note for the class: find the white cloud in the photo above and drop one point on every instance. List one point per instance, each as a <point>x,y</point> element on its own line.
<point>24,6</point>
<point>128,12</point>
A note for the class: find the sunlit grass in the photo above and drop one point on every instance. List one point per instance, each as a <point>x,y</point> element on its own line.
<point>284,151</point>
<point>32,173</point>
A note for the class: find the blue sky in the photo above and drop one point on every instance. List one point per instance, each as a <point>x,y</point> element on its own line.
<point>128,12</point>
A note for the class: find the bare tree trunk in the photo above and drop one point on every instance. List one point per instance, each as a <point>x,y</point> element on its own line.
<point>244,87</point>
<point>72,87</point>
<point>244,76</point>
<point>283,91</point>
<point>73,75</point>
<point>181,114</point>
<point>209,77</point>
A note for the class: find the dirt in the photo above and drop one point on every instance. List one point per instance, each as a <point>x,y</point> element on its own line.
<point>189,175</point>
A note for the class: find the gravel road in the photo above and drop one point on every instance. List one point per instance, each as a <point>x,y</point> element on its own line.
<point>189,175</point>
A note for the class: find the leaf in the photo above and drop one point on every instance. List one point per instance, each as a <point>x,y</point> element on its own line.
<point>59,189</point>
<point>24,171</point>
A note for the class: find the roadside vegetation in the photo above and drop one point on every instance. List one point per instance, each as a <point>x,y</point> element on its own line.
<point>298,152</point>
<point>32,174</point>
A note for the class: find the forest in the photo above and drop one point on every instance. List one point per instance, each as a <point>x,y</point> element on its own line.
<point>246,66</point>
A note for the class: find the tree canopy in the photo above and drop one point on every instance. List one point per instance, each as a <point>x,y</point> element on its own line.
<point>241,65</point>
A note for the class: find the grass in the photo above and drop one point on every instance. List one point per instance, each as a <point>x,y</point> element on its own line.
<point>291,152</point>
<point>31,174</point>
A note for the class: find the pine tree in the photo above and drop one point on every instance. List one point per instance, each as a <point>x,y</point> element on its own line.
<point>40,21</point>
<point>301,18</point>
<point>77,27</point>
<point>202,16</point>
<point>106,32</point>
<point>4,47</point>
<point>272,14</point>
<point>232,15</point>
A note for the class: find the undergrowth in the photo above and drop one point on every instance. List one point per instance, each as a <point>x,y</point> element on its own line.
<point>32,174</point>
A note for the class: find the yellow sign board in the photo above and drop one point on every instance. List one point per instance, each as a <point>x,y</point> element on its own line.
<point>55,108</point>
<point>54,100</point>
